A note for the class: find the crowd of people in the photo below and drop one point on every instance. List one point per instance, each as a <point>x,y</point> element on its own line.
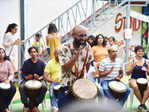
<point>96,58</point>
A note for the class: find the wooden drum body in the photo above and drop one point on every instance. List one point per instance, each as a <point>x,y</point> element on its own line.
<point>84,89</point>
<point>32,89</point>
<point>117,88</point>
<point>142,85</point>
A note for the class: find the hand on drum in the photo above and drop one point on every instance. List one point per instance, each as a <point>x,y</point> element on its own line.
<point>36,76</point>
<point>30,76</point>
<point>7,81</point>
<point>117,78</point>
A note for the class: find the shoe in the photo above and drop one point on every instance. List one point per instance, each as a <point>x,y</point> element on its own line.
<point>35,109</point>
<point>26,109</point>
<point>142,108</point>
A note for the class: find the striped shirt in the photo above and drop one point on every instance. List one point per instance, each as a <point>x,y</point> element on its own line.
<point>106,65</point>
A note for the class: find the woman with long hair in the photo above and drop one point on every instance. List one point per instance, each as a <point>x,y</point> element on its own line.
<point>6,77</point>
<point>10,42</point>
<point>53,39</point>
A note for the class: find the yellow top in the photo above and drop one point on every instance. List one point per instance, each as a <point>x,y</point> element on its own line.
<point>54,69</point>
<point>38,45</point>
<point>99,53</point>
<point>53,41</point>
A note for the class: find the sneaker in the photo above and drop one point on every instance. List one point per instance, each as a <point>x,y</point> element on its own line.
<point>142,108</point>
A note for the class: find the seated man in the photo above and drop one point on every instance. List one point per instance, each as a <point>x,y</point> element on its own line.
<point>33,68</point>
<point>52,74</point>
<point>110,69</point>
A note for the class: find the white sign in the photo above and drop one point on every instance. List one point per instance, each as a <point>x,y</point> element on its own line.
<point>128,33</point>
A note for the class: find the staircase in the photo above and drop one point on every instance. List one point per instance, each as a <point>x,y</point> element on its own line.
<point>94,15</point>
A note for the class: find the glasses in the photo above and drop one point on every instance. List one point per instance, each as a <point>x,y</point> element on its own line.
<point>82,35</point>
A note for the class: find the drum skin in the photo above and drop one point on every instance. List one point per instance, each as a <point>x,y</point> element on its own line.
<point>84,89</point>
<point>117,88</point>
<point>32,85</point>
<point>4,86</point>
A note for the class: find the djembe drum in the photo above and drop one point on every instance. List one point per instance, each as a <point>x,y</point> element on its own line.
<point>84,89</point>
<point>56,89</point>
<point>142,85</point>
<point>32,88</point>
<point>117,88</point>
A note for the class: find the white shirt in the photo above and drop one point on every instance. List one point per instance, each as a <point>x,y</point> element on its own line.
<point>106,65</point>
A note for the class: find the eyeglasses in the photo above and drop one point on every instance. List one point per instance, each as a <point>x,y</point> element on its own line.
<point>82,35</point>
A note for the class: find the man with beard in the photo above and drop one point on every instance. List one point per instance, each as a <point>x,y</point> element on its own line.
<point>75,58</point>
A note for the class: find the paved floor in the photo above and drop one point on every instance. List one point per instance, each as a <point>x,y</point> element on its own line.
<point>17,106</point>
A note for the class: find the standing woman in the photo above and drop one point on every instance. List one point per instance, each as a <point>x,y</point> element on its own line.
<point>6,76</point>
<point>138,68</point>
<point>10,42</point>
<point>100,51</point>
<point>53,39</point>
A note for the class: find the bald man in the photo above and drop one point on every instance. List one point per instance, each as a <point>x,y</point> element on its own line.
<point>110,69</point>
<point>72,57</point>
<point>52,74</point>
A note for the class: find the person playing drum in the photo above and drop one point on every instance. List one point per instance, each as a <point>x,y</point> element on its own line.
<point>138,67</point>
<point>110,69</point>
<point>33,68</point>
<point>7,89</point>
<point>52,74</point>
<point>74,57</point>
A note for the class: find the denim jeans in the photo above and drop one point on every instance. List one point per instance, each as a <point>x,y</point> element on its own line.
<point>52,94</point>
<point>105,86</point>
<point>95,80</point>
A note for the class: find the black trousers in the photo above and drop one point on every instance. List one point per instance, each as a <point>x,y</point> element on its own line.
<point>38,99</point>
<point>6,97</point>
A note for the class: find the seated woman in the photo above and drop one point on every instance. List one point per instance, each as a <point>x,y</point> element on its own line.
<point>6,76</point>
<point>33,68</point>
<point>138,67</point>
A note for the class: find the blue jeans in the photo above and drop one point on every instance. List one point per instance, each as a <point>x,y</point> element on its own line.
<point>95,80</point>
<point>105,86</point>
<point>52,94</point>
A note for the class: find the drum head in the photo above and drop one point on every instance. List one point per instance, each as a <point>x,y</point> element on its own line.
<point>84,89</point>
<point>116,86</point>
<point>142,81</point>
<point>33,84</point>
<point>57,87</point>
<point>4,85</point>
